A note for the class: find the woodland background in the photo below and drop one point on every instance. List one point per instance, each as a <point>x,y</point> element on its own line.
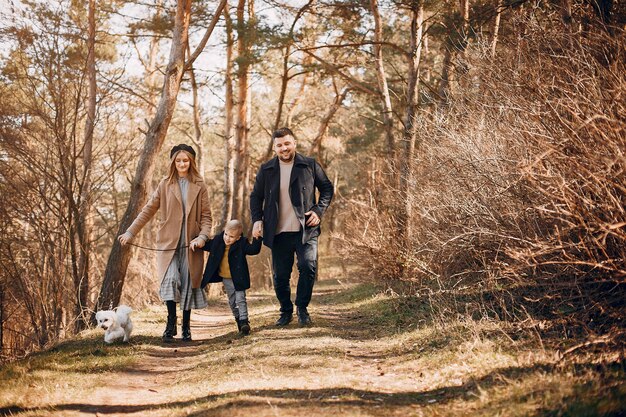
<point>477,147</point>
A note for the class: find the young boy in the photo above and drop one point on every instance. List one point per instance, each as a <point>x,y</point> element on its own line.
<point>227,263</point>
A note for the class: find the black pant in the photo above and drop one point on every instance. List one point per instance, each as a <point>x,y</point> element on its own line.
<point>285,245</point>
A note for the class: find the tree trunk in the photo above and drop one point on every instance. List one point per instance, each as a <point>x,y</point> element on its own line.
<point>446,76</point>
<point>151,68</point>
<point>1,319</point>
<point>84,219</point>
<point>382,81</point>
<point>463,65</point>
<point>316,146</point>
<point>241,129</point>
<point>465,15</point>
<point>284,81</point>
<point>496,28</point>
<point>410,126</point>
<point>119,257</point>
<point>229,140</point>
<point>197,138</point>
<point>294,104</point>
<point>566,15</point>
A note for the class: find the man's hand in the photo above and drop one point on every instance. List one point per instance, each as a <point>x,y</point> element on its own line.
<point>257,229</point>
<point>313,220</point>
<point>125,238</point>
<point>196,243</point>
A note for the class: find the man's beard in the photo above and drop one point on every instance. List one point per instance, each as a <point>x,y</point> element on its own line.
<point>290,157</point>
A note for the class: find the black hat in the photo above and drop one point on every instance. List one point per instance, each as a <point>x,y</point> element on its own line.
<point>182,147</point>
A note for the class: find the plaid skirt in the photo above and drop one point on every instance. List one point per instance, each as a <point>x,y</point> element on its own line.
<point>176,284</point>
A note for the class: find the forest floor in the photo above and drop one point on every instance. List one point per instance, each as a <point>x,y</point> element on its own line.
<point>366,354</point>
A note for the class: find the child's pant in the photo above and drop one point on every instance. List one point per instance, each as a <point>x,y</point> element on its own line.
<point>236,300</point>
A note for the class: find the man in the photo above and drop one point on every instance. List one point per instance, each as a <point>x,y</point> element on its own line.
<point>286,214</point>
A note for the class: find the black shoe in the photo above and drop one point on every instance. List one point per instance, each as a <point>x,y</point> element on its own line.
<point>304,319</point>
<point>244,327</point>
<point>170,327</point>
<point>186,326</point>
<point>186,335</point>
<point>168,334</point>
<point>238,324</point>
<point>284,319</point>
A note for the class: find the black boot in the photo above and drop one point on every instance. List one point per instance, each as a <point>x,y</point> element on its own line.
<point>244,327</point>
<point>186,326</point>
<point>284,319</point>
<point>238,324</point>
<point>304,319</point>
<point>170,328</point>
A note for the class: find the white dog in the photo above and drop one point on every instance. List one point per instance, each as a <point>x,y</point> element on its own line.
<point>116,323</point>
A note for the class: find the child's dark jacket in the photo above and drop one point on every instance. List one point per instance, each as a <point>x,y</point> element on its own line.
<point>236,260</point>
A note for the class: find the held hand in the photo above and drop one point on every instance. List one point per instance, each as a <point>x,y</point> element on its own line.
<point>125,238</point>
<point>196,243</point>
<point>313,219</point>
<point>257,229</point>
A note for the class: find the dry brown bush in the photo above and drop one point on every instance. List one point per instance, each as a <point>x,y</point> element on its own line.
<point>520,188</point>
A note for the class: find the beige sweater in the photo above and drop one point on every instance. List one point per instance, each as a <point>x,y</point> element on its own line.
<point>287,219</point>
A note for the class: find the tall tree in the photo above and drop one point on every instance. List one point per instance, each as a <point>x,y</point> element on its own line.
<point>229,139</point>
<point>245,34</point>
<point>119,257</point>
<point>409,136</point>
<point>496,27</point>
<point>197,129</point>
<point>84,225</point>
<point>382,80</point>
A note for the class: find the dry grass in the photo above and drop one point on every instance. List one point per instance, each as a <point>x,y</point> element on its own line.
<point>519,194</point>
<point>367,354</point>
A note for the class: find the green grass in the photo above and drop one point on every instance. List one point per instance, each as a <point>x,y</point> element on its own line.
<point>369,352</point>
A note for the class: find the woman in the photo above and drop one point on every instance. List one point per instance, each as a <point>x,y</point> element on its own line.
<point>183,200</point>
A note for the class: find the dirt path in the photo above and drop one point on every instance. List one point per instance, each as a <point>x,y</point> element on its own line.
<point>339,365</point>
<point>144,384</point>
<point>359,358</point>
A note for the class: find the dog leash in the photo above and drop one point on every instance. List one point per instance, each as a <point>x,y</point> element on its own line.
<point>155,249</point>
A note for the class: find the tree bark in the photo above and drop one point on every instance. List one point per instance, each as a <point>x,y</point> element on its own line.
<point>456,43</point>
<point>197,138</point>
<point>382,81</point>
<point>84,225</point>
<point>119,257</point>
<point>241,128</point>
<point>465,15</point>
<point>496,28</point>
<point>229,140</point>
<point>446,75</point>
<point>151,67</point>
<point>410,125</point>
<point>1,318</point>
<point>566,16</point>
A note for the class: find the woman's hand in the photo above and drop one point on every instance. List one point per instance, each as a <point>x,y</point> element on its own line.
<point>197,243</point>
<point>125,238</point>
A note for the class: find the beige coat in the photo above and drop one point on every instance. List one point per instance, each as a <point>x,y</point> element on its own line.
<point>167,200</point>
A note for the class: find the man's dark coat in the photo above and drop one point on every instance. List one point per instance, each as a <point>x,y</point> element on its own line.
<point>236,260</point>
<point>306,176</point>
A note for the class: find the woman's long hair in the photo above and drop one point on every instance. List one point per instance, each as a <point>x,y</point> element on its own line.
<point>193,168</point>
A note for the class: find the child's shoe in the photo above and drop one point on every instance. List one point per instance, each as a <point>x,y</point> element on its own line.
<point>244,327</point>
